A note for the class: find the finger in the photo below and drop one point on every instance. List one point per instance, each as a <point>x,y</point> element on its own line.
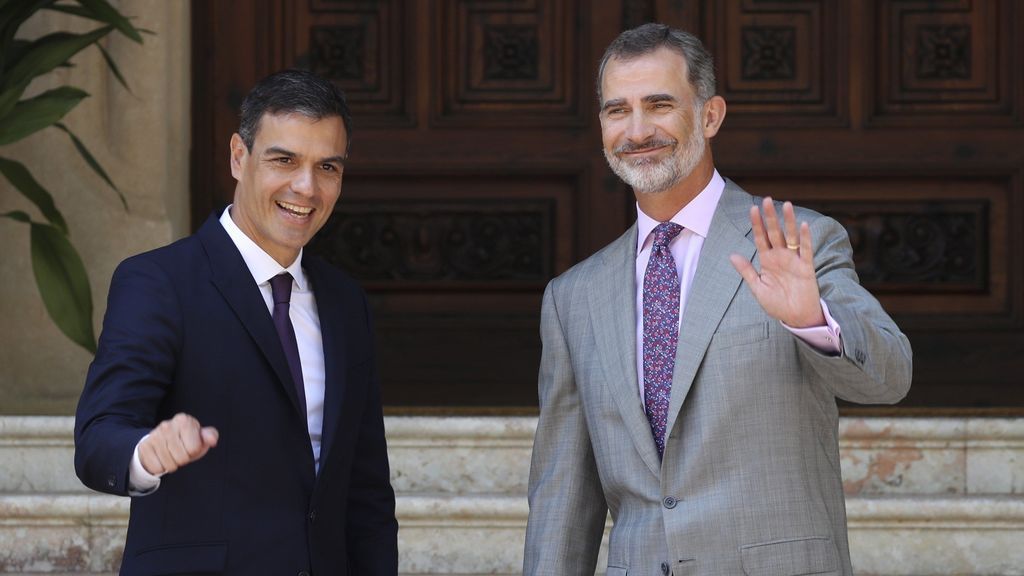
<point>176,448</point>
<point>148,458</point>
<point>757,230</point>
<point>190,438</point>
<point>771,224</point>
<point>746,270</point>
<point>210,436</point>
<point>789,220</point>
<point>163,454</point>
<point>806,248</point>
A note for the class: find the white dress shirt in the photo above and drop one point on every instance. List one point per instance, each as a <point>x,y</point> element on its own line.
<point>303,314</point>
<point>695,218</point>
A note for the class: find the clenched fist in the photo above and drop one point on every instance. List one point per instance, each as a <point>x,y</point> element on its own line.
<point>175,443</point>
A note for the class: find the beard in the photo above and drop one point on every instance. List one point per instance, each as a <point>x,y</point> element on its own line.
<point>652,175</point>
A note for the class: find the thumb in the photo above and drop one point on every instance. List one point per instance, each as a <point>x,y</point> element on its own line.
<point>209,435</point>
<point>745,268</point>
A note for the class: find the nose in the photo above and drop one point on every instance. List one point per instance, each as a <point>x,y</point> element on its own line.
<point>303,182</point>
<point>638,128</point>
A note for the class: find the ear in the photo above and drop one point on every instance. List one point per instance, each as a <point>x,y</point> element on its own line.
<point>714,115</point>
<point>239,155</point>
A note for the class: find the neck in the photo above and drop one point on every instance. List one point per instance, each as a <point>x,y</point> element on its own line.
<point>662,206</point>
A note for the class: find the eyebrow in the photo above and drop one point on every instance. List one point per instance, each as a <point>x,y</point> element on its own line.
<point>653,98</point>
<point>649,99</point>
<point>277,150</point>
<point>613,103</point>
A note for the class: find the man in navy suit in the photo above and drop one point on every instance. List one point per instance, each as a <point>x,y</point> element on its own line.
<point>234,394</point>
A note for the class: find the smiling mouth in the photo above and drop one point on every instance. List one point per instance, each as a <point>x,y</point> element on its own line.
<point>295,209</point>
<point>644,150</point>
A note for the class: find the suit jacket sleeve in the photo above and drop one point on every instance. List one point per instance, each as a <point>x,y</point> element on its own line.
<point>567,505</point>
<point>371,526</point>
<point>875,365</point>
<point>133,367</point>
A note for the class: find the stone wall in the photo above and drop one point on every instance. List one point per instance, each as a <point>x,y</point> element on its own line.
<point>142,138</point>
<point>925,497</point>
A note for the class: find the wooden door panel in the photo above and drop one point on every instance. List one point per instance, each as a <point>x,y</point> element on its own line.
<point>476,172</point>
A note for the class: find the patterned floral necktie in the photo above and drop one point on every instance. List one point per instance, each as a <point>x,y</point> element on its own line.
<point>661,329</point>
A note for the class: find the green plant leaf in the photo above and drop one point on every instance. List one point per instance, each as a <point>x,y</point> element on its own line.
<point>92,162</point>
<point>113,68</point>
<point>47,53</point>
<point>12,16</point>
<point>63,284</point>
<point>87,13</point>
<point>103,11</point>
<point>14,52</point>
<point>22,179</point>
<point>32,115</point>
<point>17,215</point>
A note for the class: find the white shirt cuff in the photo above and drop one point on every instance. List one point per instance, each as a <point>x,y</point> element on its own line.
<point>141,482</point>
<point>826,339</point>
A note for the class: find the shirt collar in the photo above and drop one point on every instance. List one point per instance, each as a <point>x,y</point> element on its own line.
<point>261,265</point>
<point>695,216</point>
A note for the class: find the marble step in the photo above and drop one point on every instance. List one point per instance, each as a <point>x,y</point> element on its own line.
<point>925,496</point>
<point>491,455</point>
<point>483,534</point>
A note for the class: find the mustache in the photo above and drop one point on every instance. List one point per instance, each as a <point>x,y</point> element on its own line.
<point>645,145</point>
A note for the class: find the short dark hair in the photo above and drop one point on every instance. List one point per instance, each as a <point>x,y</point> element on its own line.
<point>292,91</point>
<point>648,38</point>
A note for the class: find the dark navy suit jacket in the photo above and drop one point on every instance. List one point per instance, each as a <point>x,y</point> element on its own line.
<point>187,330</point>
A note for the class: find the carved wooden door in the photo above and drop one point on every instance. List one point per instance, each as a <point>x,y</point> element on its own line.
<point>476,171</point>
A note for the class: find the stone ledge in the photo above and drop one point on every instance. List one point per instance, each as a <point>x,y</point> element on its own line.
<point>930,512</point>
<point>477,534</point>
<point>925,496</point>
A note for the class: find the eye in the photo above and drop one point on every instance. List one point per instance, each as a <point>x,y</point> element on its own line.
<point>327,167</point>
<point>283,160</point>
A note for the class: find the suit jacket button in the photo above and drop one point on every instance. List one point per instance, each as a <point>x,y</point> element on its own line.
<point>312,516</point>
<point>303,573</point>
<point>669,503</point>
<point>111,481</point>
<point>664,568</point>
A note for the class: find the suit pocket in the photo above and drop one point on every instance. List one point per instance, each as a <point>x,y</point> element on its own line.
<point>740,335</point>
<point>205,558</point>
<point>615,571</point>
<point>790,557</point>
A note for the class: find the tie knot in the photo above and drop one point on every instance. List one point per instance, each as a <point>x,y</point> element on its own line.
<point>281,286</point>
<point>665,232</point>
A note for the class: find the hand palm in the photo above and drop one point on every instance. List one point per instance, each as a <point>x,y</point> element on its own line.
<point>786,286</point>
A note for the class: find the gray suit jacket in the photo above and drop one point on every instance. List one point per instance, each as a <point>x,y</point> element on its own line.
<point>750,482</point>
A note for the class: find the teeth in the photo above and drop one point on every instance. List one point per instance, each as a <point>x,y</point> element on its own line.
<point>300,210</point>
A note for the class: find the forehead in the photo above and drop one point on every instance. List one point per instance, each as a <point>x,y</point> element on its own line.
<point>663,71</point>
<point>298,132</point>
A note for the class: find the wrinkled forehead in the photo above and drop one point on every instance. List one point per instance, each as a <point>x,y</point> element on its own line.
<point>663,71</point>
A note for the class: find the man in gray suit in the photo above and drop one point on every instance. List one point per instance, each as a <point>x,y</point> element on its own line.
<point>690,368</point>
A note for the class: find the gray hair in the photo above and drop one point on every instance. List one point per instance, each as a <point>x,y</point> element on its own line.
<point>648,38</point>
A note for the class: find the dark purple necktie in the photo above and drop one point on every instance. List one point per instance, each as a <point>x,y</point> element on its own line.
<point>661,329</point>
<point>281,286</point>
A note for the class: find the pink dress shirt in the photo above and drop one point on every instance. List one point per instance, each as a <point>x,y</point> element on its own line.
<point>695,218</point>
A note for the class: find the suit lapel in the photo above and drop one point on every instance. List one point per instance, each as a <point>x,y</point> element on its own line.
<point>330,311</point>
<point>613,316</point>
<point>714,285</point>
<point>233,280</point>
